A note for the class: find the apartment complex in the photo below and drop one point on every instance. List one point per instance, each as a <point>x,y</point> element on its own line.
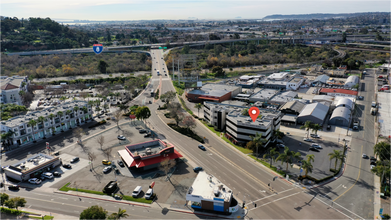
<point>11,88</point>
<point>38,124</point>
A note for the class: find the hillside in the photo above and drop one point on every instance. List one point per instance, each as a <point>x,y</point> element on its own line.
<point>40,34</point>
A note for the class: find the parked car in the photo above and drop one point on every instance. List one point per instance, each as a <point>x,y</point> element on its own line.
<point>317,146</point>
<point>149,193</point>
<point>56,174</point>
<point>42,178</point>
<point>48,175</point>
<point>13,187</point>
<point>201,147</point>
<point>34,181</point>
<point>373,159</point>
<point>364,156</point>
<point>106,162</point>
<point>280,145</point>
<point>136,191</point>
<point>141,131</point>
<point>360,98</point>
<point>373,166</point>
<point>107,169</point>
<point>74,160</point>
<point>147,135</point>
<point>68,166</point>
<point>121,137</point>
<point>373,163</point>
<point>197,169</point>
<point>120,163</point>
<point>307,139</point>
<point>314,149</point>
<point>315,136</point>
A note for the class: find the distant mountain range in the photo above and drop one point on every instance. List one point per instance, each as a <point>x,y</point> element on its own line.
<point>317,16</point>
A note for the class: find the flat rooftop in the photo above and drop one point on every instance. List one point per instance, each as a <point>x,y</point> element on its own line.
<point>209,187</point>
<point>147,148</point>
<point>207,92</point>
<point>266,118</point>
<point>31,163</point>
<point>264,94</point>
<point>284,96</point>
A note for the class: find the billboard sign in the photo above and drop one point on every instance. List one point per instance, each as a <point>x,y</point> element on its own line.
<point>191,84</point>
<point>199,84</point>
<point>98,48</point>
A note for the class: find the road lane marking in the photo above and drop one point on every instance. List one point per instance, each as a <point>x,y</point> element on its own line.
<point>271,195</point>
<point>274,201</point>
<point>359,172</point>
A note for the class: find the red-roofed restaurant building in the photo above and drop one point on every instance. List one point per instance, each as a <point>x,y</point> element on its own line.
<point>338,92</point>
<point>148,155</point>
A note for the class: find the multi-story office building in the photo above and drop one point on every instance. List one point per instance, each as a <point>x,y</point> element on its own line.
<point>38,124</point>
<point>238,126</point>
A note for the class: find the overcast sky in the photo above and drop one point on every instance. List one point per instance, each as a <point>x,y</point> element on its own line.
<point>179,9</point>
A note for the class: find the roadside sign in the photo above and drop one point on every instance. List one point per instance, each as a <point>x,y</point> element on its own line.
<point>98,48</point>
<point>160,47</point>
<point>164,47</point>
<point>281,33</point>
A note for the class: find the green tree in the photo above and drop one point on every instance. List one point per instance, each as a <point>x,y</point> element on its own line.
<point>307,126</point>
<point>307,166</point>
<point>288,156</point>
<point>18,202</point>
<point>185,49</point>
<point>32,123</point>
<point>315,128</point>
<point>41,119</point>
<point>277,133</point>
<point>143,113</point>
<point>337,155</point>
<point>310,157</point>
<point>245,112</point>
<point>258,140</point>
<point>273,154</point>
<point>382,149</point>
<point>218,70</point>
<point>108,36</point>
<point>10,204</point>
<point>218,49</point>
<point>76,108</point>
<point>364,31</point>
<point>93,212</point>
<point>344,37</point>
<point>379,37</point>
<point>118,215</point>
<point>60,114</point>
<point>198,106</point>
<point>4,197</point>
<point>102,66</point>
<point>168,96</point>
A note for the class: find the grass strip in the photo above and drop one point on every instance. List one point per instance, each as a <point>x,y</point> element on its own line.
<point>128,198</point>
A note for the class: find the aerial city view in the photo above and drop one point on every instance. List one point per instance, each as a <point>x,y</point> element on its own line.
<point>195,109</point>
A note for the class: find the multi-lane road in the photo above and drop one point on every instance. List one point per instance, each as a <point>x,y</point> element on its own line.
<point>245,177</point>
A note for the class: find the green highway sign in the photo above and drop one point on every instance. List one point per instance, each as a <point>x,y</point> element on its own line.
<point>281,33</point>
<point>164,47</point>
<point>160,47</point>
<point>334,30</point>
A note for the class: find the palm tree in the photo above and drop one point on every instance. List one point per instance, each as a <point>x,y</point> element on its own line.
<point>307,166</point>
<point>258,140</point>
<point>41,119</point>
<point>288,157</point>
<point>198,106</point>
<point>310,157</point>
<point>273,153</point>
<point>120,214</point>
<point>278,134</point>
<point>105,106</point>
<point>307,126</point>
<point>337,154</point>
<point>382,149</point>
<point>316,128</point>
<point>60,113</point>
<point>32,123</point>
<point>68,112</point>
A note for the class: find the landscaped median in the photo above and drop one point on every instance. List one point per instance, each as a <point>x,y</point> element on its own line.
<point>65,188</point>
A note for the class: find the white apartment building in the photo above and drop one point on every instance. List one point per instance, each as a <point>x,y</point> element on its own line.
<point>10,88</point>
<point>46,122</point>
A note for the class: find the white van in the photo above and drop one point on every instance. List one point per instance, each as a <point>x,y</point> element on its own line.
<point>136,191</point>
<point>149,193</point>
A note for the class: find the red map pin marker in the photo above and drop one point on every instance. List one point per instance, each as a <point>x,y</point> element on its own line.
<point>253,112</point>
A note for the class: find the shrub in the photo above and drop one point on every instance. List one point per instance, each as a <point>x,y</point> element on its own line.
<point>187,132</point>
<point>10,211</point>
<point>167,115</point>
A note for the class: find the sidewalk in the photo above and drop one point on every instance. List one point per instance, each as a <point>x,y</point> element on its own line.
<point>43,213</point>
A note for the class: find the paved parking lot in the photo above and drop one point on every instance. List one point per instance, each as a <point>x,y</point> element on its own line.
<point>329,141</point>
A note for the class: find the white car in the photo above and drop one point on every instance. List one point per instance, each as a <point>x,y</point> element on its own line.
<point>315,136</point>
<point>48,175</point>
<point>372,166</point>
<point>35,181</point>
<point>307,139</point>
<point>121,137</point>
<point>316,146</point>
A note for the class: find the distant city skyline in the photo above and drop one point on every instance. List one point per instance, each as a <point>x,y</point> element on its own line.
<point>103,10</point>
